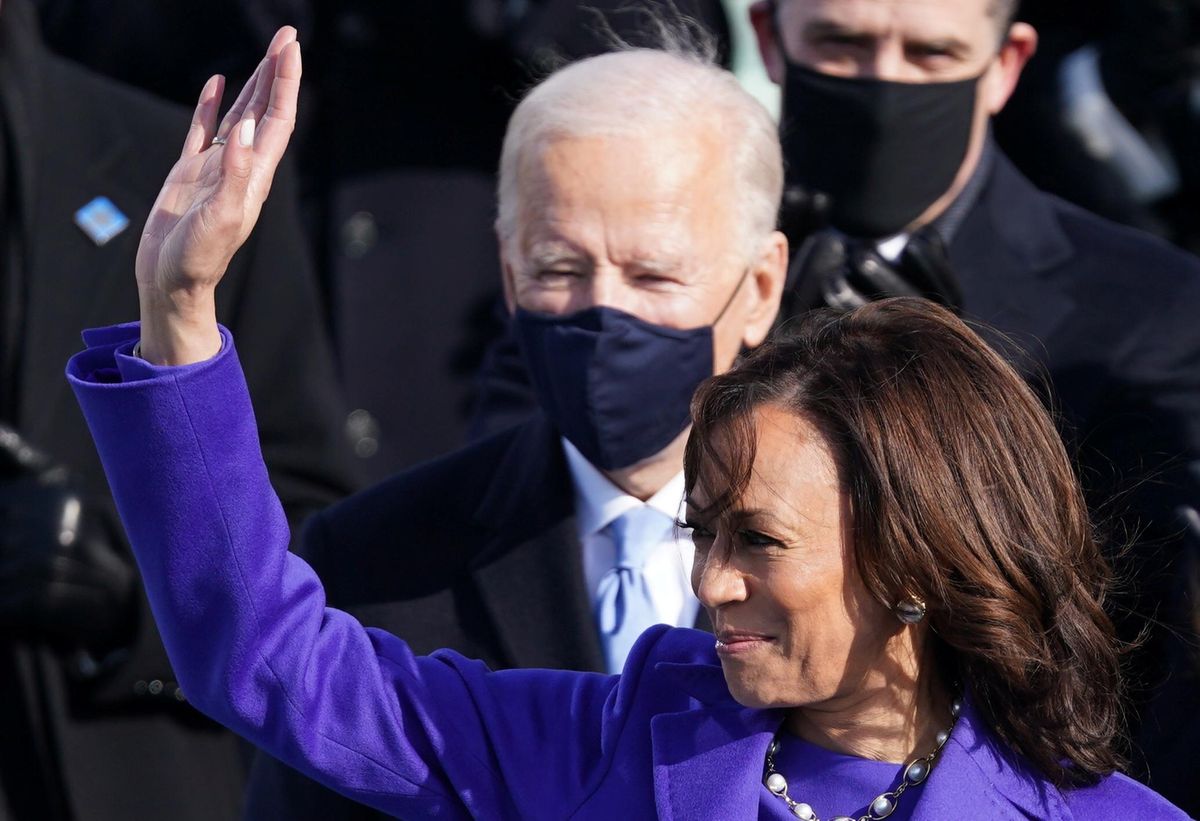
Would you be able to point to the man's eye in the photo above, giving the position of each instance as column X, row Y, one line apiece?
column 653, row 280
column 842, row 41
column 927, row 53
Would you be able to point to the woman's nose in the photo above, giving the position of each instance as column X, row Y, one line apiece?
column 717, row 579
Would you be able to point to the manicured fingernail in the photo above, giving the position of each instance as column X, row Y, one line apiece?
column 246, row 132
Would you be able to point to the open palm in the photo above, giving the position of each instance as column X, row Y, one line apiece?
column 212, row 197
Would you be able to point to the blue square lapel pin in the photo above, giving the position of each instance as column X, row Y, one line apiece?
column 101, row 220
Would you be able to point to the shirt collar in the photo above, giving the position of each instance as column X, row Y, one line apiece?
column 891, row 249
column 598, row 501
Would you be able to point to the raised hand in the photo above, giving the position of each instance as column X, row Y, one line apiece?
column 210, row 203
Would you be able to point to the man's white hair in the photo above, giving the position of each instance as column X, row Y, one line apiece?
column 641, row 92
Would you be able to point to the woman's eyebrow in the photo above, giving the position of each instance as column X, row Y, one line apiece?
column 759, row 517
column 740, row 515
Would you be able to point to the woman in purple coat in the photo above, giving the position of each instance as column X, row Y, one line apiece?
column 890, row 541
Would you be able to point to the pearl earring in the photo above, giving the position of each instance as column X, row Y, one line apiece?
column 910, row 610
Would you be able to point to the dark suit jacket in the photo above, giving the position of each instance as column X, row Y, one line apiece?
column 491, row 567
column 112, row 746
column 1108, row 314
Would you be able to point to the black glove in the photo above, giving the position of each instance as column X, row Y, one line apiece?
column 802, row 213
column 832, row 270
column 61, row 578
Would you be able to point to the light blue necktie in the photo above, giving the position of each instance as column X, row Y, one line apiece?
column 623, row 607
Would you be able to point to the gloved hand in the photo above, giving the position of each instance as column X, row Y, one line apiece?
column 61, row 579
column 802, row 213
column 832, row 270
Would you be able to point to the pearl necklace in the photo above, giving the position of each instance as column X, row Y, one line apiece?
column 884, row 804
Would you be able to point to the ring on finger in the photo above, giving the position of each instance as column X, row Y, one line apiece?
column 219, row 140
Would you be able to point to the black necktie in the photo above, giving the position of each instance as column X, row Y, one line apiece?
column 833, row 270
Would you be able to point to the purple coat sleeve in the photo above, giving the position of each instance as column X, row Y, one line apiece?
column 247, row 630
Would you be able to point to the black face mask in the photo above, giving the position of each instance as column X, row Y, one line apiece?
column 882, row 151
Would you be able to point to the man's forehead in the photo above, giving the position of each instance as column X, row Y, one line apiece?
column 661, row 161
column 624, row 199
column 914, row 19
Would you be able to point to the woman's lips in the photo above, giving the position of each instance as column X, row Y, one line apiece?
column 736, row 644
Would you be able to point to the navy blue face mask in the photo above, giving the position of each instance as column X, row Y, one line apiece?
column 617, row 387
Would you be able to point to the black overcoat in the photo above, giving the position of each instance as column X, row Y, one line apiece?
column 112, row 746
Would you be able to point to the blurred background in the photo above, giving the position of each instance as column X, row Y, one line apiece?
column 403, row 111
column 405, row 105
column 388, row 207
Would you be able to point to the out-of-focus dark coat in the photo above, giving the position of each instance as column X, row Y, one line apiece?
column 123, row 744
column 402, row 112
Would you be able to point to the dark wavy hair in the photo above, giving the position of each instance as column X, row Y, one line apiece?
column 960, row 492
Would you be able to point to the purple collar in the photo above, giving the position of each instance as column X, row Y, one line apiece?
column 708, row 761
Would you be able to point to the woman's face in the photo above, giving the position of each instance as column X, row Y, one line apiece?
column 795, row 625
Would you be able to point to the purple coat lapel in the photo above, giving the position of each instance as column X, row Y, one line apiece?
column 978, row 778
column 708, row 760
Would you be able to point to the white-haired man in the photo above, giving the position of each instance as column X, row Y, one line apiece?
column 637, row 208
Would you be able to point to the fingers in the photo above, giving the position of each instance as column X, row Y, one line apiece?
column 262, row 90
column 285, row 35
column 260, row 79
column 204, row 118
column 229, row 204
column 278, row 119
column 239, row 153
column 235, row 112
column 255, row 142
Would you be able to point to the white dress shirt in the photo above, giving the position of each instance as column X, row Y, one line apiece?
column 891, row 249
column 668, row 569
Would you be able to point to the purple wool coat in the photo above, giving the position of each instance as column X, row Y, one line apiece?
column 255, row 647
